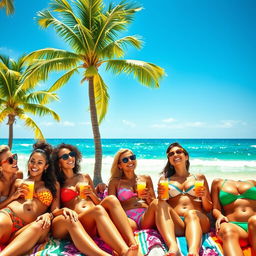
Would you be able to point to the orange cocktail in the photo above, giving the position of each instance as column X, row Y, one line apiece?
column 141, row 185
column 30, row 186
column 165, row 185
column 82, row 187
column 199, row 184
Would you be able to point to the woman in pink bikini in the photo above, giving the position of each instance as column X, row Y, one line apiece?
column 23, row 222
column 144, row 211
column 8, row 174
column 90, row 216
column 185, row 211
column 234, row 207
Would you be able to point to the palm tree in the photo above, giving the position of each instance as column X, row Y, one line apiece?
column 16, row 101
column 92, row 31
column 8, row 5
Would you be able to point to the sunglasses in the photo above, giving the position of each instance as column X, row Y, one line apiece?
column 10, row 159
column 66, row 156
column 178, row 152
column 126, row 159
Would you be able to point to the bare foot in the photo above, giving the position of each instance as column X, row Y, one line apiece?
column 133, row 250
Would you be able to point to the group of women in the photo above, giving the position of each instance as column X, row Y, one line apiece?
column 57, row 204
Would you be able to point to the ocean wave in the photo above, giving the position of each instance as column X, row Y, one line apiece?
column 253, row 146
column 26, row 145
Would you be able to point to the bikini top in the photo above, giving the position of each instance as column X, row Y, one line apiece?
column 228, row 198
column 175, row 191
column 67, row 194
column 44, row 196
column 125, row 194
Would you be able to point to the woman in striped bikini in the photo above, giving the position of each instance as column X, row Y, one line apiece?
column 234, row 207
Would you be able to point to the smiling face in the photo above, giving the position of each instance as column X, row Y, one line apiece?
column 37, row 164
column 130, row 165
column 177, row 157
column 6, row 165
column 68, row 163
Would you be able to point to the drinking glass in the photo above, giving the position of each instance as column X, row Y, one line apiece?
column 198, row 186
column 141, row 185
column 82, row 187
column 165, row 184
column 30, row 186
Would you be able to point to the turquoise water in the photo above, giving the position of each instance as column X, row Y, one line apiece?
column 205, row 149
column 231, row 158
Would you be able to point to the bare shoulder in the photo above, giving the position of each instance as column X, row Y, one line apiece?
column 216, row 182
column 87, row 176
column 113, row 182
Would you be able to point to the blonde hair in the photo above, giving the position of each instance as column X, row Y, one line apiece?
column 116, row 172
column 3, row 149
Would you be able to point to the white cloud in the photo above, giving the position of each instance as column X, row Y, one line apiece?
column 67, row 123
column 169, row 120
column 47, row 124
column 230, row 123
column 84, row 123
column 129, row 123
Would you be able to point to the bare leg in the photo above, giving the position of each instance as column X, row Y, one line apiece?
column 30, row 235
column 5, row 227
column 252, row 233
column 97, row 216
column 166, row 221
column 196, row 224
column 119, row 218
column 230, row 235
column 61, row 227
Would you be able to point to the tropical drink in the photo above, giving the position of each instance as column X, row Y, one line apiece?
column 165, row 185
column 199, row 184
column 30, row 186
column 82, row 187
column 141, row 185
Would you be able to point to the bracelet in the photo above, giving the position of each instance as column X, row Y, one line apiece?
column 51, row 215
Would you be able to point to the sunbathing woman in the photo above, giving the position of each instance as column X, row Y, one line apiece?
column 184, row 215
column 105, row 218
column 8, row 174
column 23, row 223
column 234, row 207
column 142, row 214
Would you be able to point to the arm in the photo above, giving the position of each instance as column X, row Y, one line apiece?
column 112, row 187
column 206, row 197
column 91, row 192
column 217, row 213
column 14, row 194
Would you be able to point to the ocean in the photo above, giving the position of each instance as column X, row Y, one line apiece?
column 231, row 158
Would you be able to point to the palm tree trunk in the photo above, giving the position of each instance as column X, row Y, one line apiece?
column 11, row 119
column 96, row 134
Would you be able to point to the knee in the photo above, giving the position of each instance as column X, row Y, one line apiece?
column 99, row 211
column 37, row 227
column 228, row 232
column 155, row 203
column 110, row 201
column 191, row 215
column 252, row 222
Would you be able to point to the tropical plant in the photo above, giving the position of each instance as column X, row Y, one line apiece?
column 16, row 100
column 93, row 33
column 8, row 5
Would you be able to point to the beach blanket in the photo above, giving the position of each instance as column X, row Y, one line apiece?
column 149, row 240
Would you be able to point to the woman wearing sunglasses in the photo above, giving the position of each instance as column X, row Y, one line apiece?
column 142, row 209
column 185, row 211
column 89, row 215
column 234, row 207
column 24, row 222
column 8, row 174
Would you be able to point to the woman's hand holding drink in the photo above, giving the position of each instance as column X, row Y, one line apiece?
column 29, row 186
column 141, row 185
column 163, row 189
column 199, row 188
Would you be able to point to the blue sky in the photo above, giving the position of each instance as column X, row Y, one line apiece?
column 207, row 49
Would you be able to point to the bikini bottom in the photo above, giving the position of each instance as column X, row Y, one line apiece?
column 18, row 223
column 136, row 214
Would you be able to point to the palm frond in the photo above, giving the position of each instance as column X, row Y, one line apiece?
column 147, row 73
column 117, row 48
column 45, row 19
column 101, row 97
column 8, row 5
column 29, row 122
column 4, row 113
column 40, row 110
column 40, row 70
column 41, row 97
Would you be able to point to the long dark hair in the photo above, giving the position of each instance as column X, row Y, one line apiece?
column 55, row 157
column 48, row 176
column 169, row 169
